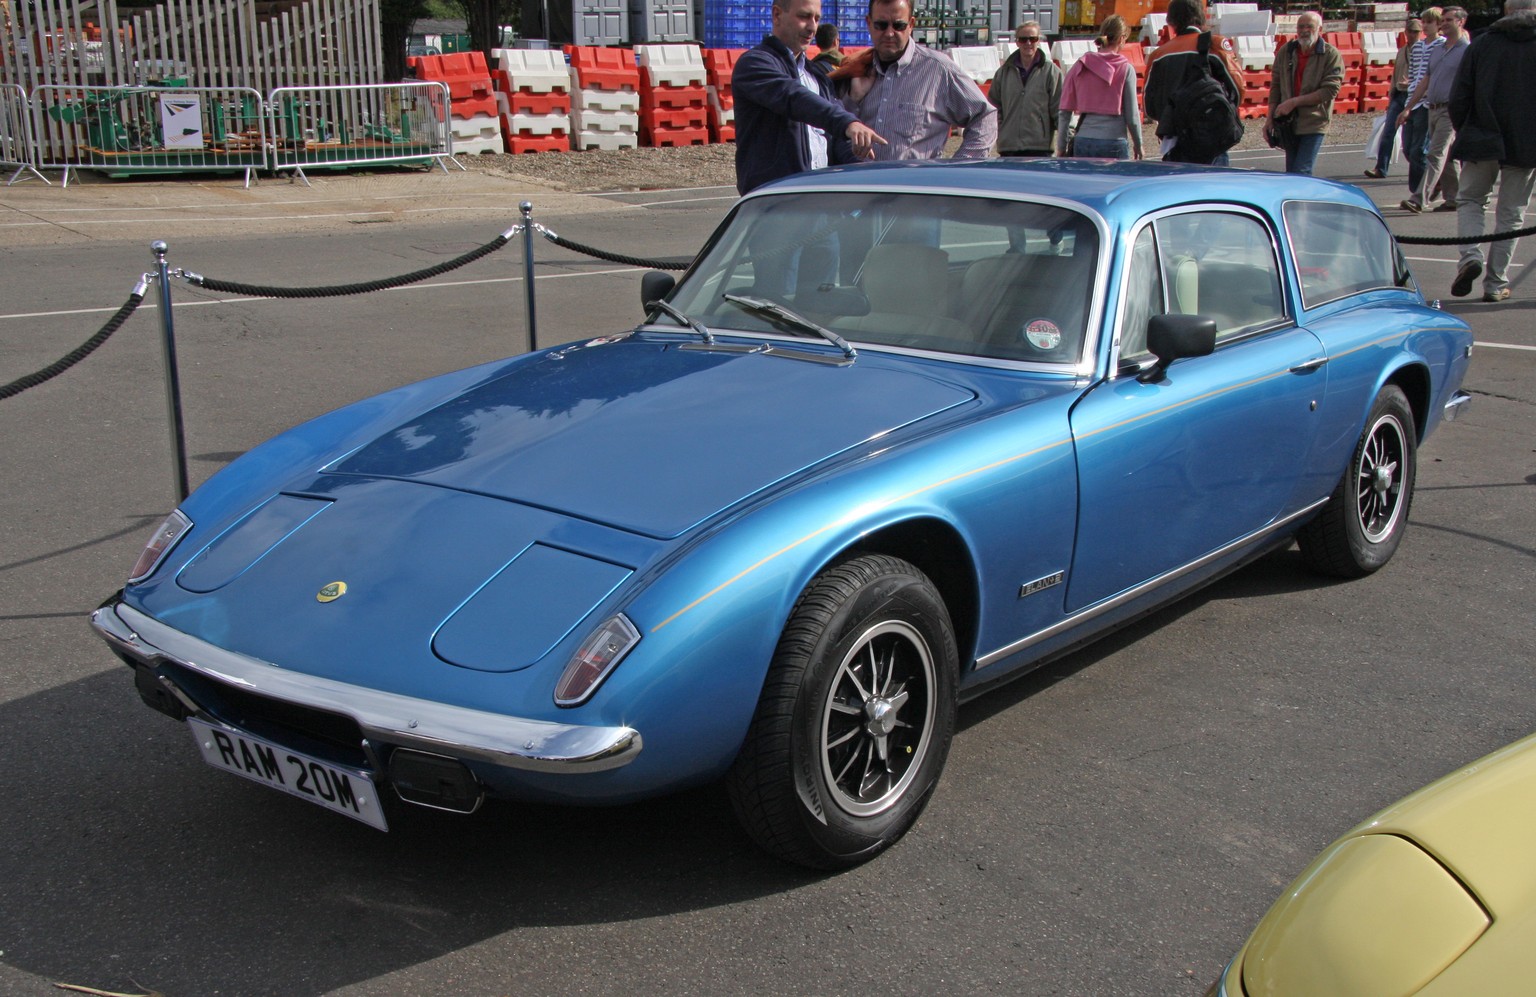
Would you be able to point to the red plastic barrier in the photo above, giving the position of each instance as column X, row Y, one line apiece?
column 537, row 143
column 604, row 68
column 660, row 137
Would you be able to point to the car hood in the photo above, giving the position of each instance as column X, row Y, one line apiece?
column 648, row 436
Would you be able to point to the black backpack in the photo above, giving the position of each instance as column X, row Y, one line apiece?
column 1200, row 113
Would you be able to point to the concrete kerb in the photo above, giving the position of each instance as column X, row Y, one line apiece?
column 101, row 210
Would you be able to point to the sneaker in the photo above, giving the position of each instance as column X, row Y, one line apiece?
column 1502, row 294
column 1445, row 206
column 1466, row 275
column 1375, row 174
column 1412, row 206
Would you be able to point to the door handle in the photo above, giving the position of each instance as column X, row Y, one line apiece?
column 1309, row 365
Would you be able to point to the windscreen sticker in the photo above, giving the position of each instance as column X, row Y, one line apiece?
column 1042, row 334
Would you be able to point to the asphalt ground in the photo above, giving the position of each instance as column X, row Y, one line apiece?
column 1113, row 824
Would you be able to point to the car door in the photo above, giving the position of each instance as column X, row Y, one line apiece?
column 1206, row 454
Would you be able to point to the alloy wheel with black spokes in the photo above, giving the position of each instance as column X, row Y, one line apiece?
column 854, row 722
column 1360, row 528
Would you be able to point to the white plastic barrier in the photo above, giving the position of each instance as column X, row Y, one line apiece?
column 1240, row 23
column 1255, row 51
column 1069, row 50
column 979, row 62
column 1151, row 26
column 1380, row 47
column 534, row 70
column 671, row 65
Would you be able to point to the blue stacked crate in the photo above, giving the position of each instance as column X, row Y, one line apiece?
column 735, row 23
column 849, row 16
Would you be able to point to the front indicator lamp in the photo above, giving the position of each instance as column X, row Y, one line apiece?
column 160, row 543
column 598, row 655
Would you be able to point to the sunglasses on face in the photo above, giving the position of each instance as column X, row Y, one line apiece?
column 1028, row 39
column 890, row 25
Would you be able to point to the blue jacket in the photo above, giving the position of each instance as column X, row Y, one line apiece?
column 772, row 109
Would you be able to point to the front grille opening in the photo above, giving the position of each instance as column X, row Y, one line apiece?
column 332, row 736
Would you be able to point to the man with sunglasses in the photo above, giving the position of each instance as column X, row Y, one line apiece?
column 1026, row 92
column 913, row 95
column 787, row 120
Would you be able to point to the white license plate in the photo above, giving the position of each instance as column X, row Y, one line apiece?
column 346, row 791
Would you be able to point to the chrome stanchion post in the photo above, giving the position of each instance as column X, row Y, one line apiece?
column 533, row 328
column 172, row 378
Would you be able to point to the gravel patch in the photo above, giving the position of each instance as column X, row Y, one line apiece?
column 597, row 171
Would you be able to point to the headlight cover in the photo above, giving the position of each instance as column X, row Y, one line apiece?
column 1374, row 914
column 174, row 527
column 598, row 655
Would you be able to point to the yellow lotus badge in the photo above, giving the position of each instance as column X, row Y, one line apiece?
column 332, row 592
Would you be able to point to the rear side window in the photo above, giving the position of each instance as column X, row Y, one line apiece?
column 1342, row 249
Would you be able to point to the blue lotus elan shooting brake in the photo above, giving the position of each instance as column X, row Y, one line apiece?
column 901, row 433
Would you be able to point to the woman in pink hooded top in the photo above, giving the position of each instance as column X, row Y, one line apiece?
column 1101, row 88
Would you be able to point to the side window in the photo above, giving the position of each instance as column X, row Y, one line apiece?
column 1221, row 265
column 1341, row 249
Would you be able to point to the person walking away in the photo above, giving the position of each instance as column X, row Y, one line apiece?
column 1026, row 92
column 786, row 118
column 1416, row 125
column 1171, row 61
column 1307, row 75
column 1396, row 102
column 911, row 94
column 830, row 54
column 1435, row 90
column 1493, row 109
column 1100, row 89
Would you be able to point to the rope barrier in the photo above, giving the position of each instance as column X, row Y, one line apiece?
column 665, row 263
column 340, row 290
column 82, row 351
column 1458, row 240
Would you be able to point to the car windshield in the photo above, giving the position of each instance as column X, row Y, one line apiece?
column 978, row 276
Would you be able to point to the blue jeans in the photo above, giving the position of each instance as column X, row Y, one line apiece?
column 1389, row 135
column 1415, row 137
column 1101, row 148
column 1301, row 154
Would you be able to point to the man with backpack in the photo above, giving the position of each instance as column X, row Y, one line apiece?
column 1196, row 121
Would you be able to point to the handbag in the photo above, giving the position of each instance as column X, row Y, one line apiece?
column 1282, row 131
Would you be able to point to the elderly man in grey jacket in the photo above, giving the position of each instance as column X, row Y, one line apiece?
column 1026, row 92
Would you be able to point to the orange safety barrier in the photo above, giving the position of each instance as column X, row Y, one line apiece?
column 672, row 96
column 465, row 73
column 719, row 64
column 537, row 143
column 533, row 102
column 722, row 133
column 662, row 118
column 604, row 68
column 662, row 137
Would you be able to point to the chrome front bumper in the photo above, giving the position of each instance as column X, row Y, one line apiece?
column 1459, row 403
column 385, row 718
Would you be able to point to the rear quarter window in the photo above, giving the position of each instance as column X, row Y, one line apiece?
column 1341, row 249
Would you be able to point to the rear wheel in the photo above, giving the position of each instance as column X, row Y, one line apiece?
column 1359, row 529
column 855, row 719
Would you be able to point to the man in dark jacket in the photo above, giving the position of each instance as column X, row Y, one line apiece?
column 786, row 119
column 1493, row 106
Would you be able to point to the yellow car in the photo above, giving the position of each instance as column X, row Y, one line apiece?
column 1435, row 895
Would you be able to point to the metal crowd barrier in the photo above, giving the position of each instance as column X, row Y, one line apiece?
column 16, row 144
column 129, row 130
column 337, row 126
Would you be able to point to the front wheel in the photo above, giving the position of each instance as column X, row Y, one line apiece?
column 1359, row 529
column 855, row 718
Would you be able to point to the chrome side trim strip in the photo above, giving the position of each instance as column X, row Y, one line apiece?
column 1458, row 405
column 508, row 742
column 1114, row 602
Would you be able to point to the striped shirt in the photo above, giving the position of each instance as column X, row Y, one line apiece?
column 916, row 101
column 1418, row 65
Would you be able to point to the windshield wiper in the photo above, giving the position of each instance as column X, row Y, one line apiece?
column 683, row 317
column 792, row 318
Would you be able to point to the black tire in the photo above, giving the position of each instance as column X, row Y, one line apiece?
column 1359, row 529
column 855, row 718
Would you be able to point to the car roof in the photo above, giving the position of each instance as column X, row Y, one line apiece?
column 1126, row 189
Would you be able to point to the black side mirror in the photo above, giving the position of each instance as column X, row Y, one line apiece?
column 1173, row 337
column 654, row 286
